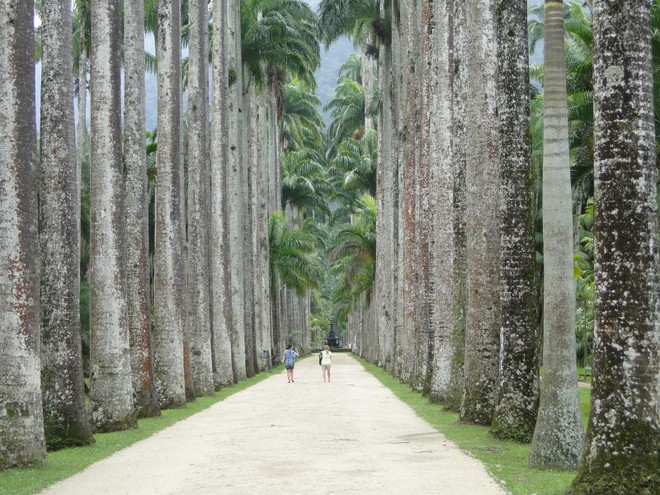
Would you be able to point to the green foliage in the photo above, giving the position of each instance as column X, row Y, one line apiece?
column 293, row 257
column 67, row 462
column 358, row 19
column 355, row 255
column 347, row 110
column 279, row 37
column 304, row 183
column 301, row 125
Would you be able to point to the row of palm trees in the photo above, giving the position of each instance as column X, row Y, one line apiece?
column 180, row 304
column 455, row 309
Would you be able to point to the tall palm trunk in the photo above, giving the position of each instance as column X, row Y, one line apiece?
column 515, row 414
column 459, row 151
column 559, row 432
column 65, row 416
column 623, row 436
column 482, row 331
column 137, row 211
column 111, row 395
column 199, row 298
column 398, row 101
column 250, row 174
column 441, row 189
column 408, row 338
column 267, row 163
column 22, row 440
column 234, row 174
column 220, row 279
column 168, row 260
column 384, row 278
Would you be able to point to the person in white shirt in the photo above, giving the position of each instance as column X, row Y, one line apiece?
column 326, row 359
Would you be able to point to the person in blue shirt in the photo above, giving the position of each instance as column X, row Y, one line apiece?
column 289, row 359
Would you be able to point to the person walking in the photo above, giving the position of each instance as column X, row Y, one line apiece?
column 326, row 359
column 289, row 359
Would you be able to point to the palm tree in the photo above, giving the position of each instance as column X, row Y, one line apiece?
column 367, row 24
column 559, row 432
column 301, row 124
column 279, row 41
column 483, row 321
column 111, row 390
column 347, row 110
column 169, row 269
column 65, row 415
column 220, row 275
column 137, row 212
column 515, row 414
column 441, row 192
column 624, row 427
column 21, row 434
column 236, row 197
column 198, row 297
column 292, row 262
column 356, row 243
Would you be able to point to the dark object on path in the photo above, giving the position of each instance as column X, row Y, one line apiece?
column 333, row 338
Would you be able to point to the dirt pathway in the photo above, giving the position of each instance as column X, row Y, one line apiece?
column 351, row 436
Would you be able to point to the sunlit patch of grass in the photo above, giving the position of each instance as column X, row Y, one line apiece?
column 65, row 463
column 506, row 461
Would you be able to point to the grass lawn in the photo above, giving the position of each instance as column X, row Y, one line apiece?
column 506, row 461
column 67, row 462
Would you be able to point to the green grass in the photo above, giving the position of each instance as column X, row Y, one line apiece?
column 65, row 463
column 506, row 461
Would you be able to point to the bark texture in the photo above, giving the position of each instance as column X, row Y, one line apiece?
column 515, row 414
column 169, row 281
column 66, row 419
column 622, row 452
column 441, row 191
column 235, row 197
column 111, row 390
column 559, row 432
column 459, row 147
column 482, row 330
column 199, row 290
column 22, row 441
column 384, row 278
column 221, row 295
column 137, row 211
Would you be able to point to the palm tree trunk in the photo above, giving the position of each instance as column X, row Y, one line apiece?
column 221, row 296
column 559, row 432
column 515, row 414
column 267, row 163
column 249, row 178
column 398, row 101
column 137, row 210
column 169, row 283
column 409, row 150
column 65, row 415
column 22, row 441
column 459, row 152
column 441, row 189
column 482, row 331
column 234, row 176
column 111, row 389
column 199, row 298
column 384, row 279
column 624, row 427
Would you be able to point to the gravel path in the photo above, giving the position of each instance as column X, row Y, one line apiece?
column 350, row 436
